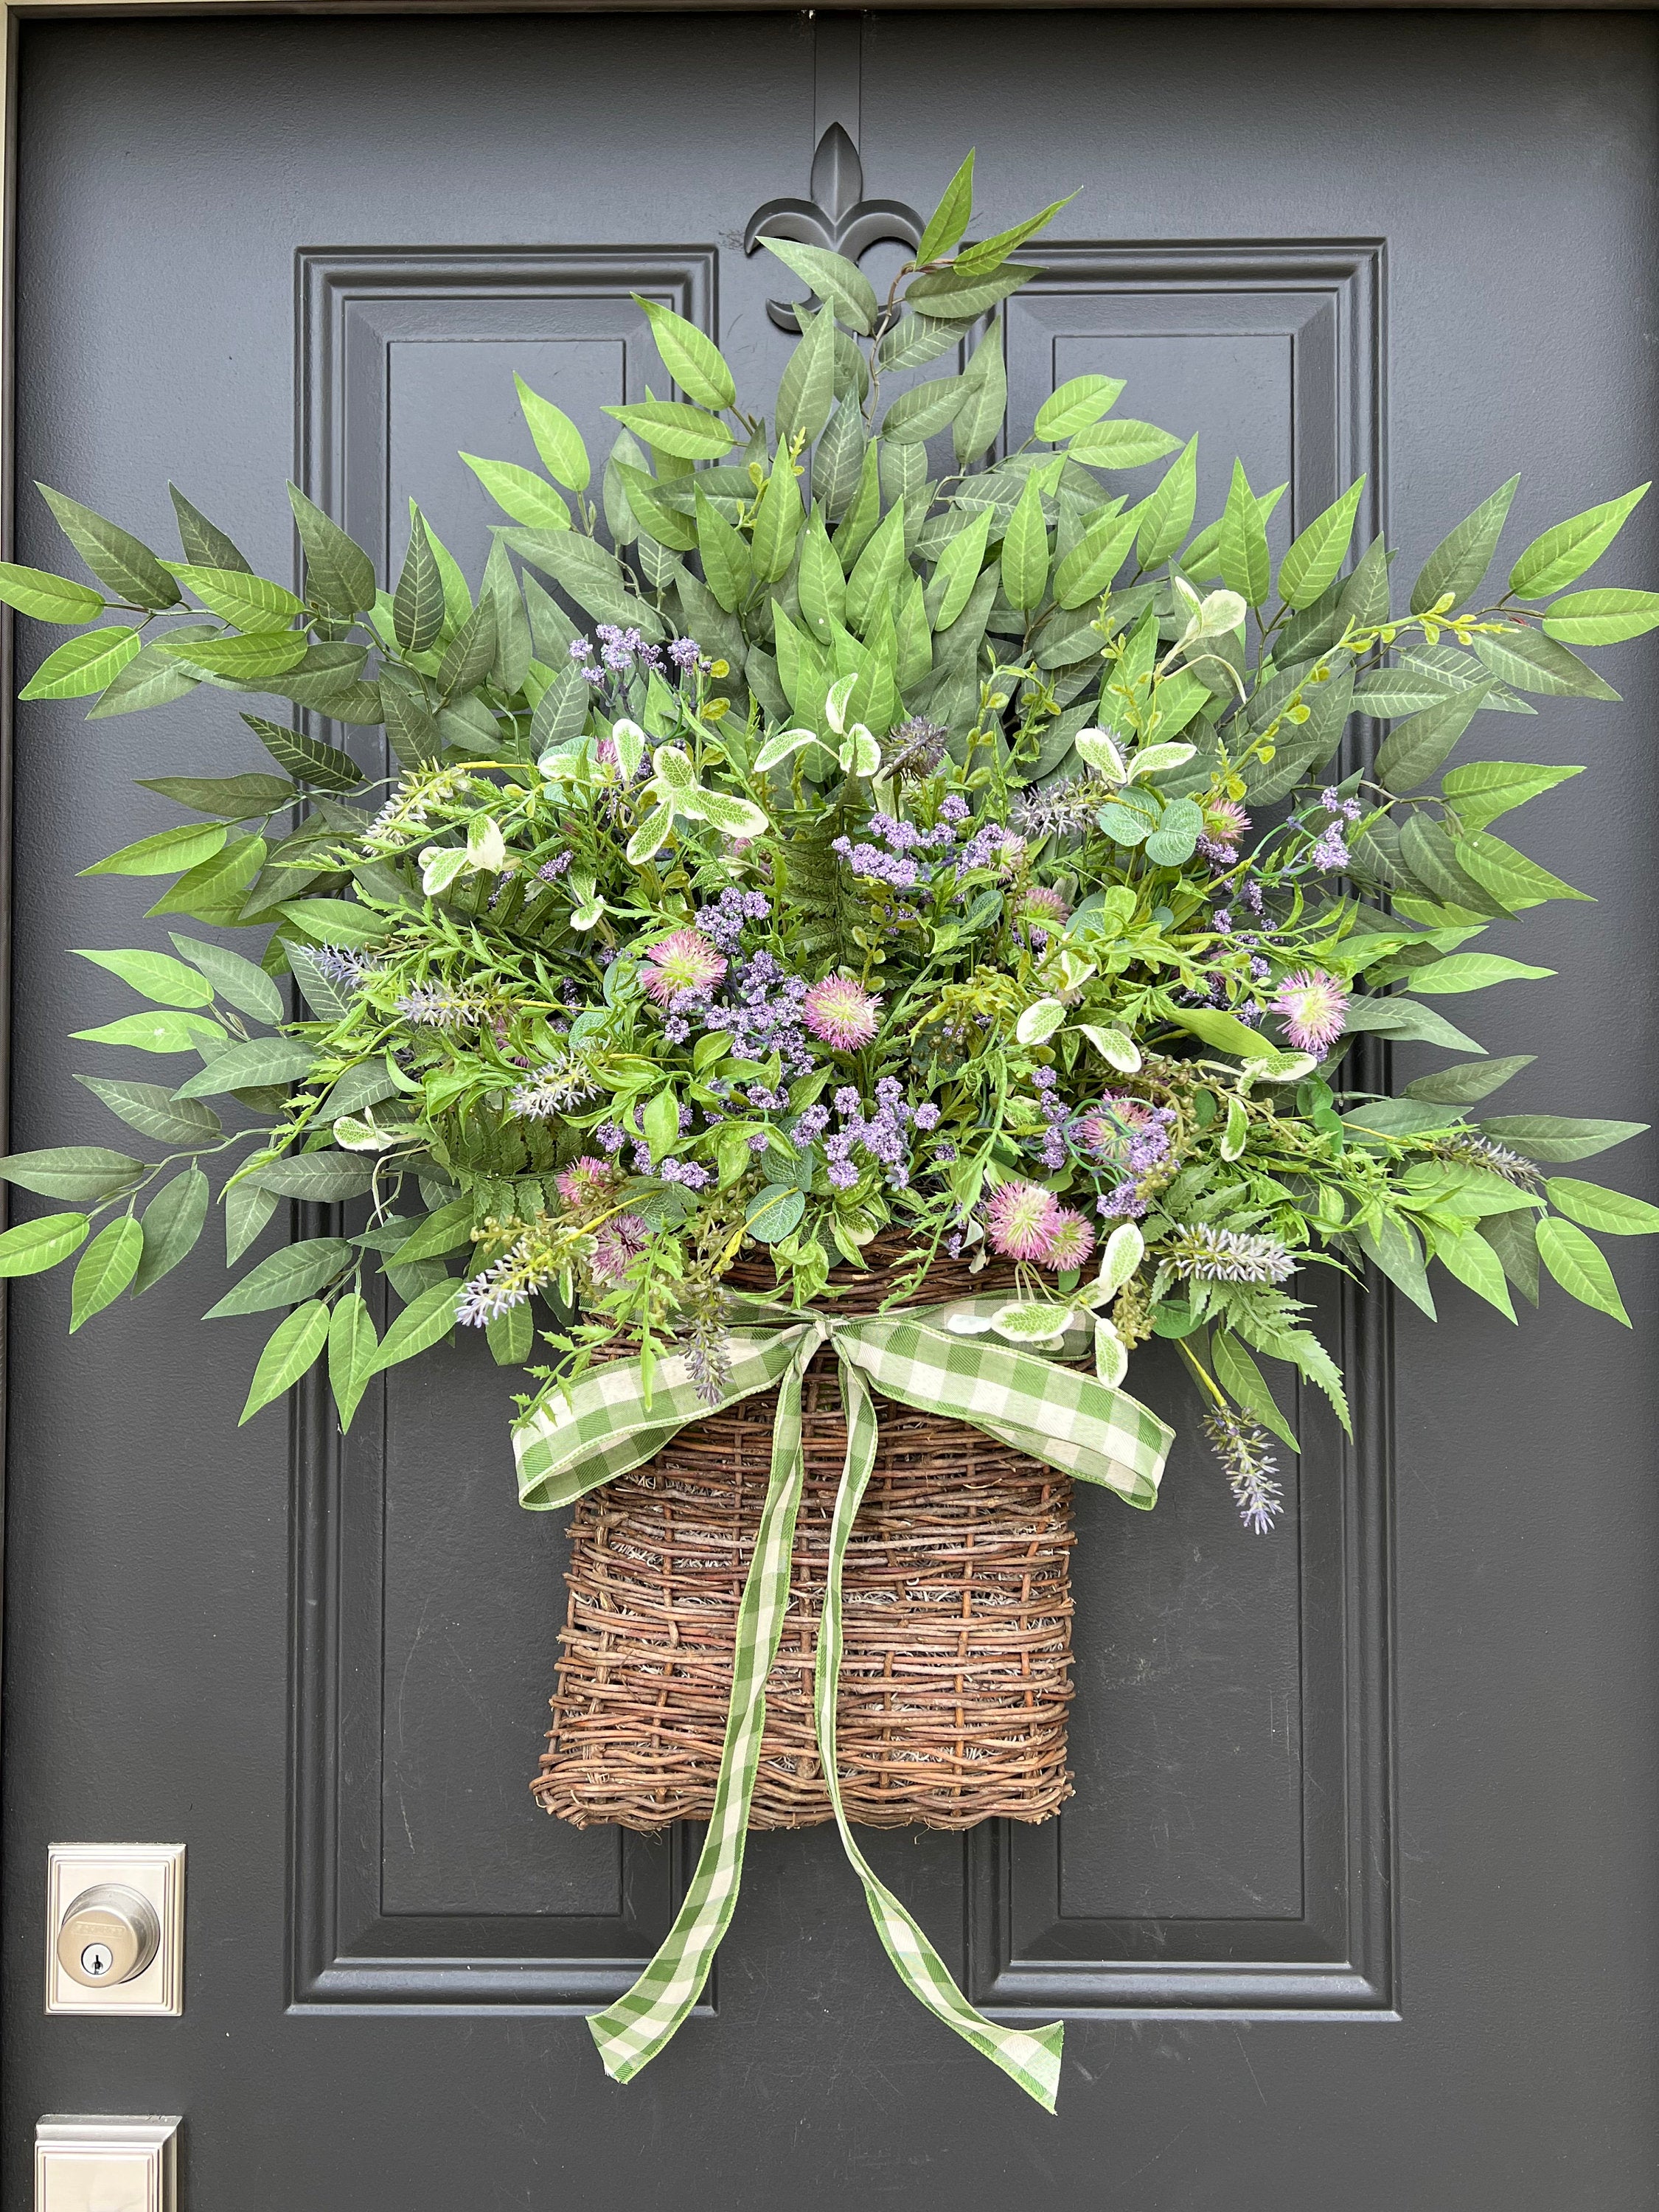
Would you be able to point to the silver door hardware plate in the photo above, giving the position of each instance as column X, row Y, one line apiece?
column 115, row 1927
column 104, row 2164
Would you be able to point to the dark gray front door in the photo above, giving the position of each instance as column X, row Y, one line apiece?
column 1355, row 1902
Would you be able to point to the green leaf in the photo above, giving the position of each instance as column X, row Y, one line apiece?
column 1509, row 876
column 1458, row 563
column 215, row 890
column 1093, row 563
column 1578, row 1266
column 835, row 279
column 1025, row 550
column 512, row 1335
column 1221, row 1032
column 877, row 571
column 957, row 571
column 203, row 541
column 418, row 607
column 164, row 854
column 806, row 391
column 291, row 1352
column 469, row 654
column 660, row 1120
column 689, row 356
column 1073, row 406
column 952, row 298
column 925, row 409
column 777, row 521
column 447, row 1229
column 296, row 1272
column 152, row 677
column 726, row 565
column 671, row 427
column 339, row 575
column 246, row 659
column 821, row 583
column 231, row 797
column 1310, row 566
column 1611, row 1212
column 1167, row 514
column 119, row 560
column 155, row 1113
column 167, row 1032
column 104, row 1269
column 325, row 1178
column 558, row 439
column 1486, row 789
column 1242, row 548
column 82, row 1172
column 1438, row 862
column 990, row 253
column 1123, row 443
column 246, row 601
column 1514, row 1237
column 1532, row 663
column 914, row 341
column 251, row 1065
column 248, row 988
column 82, row 665
column 353, row 1352
column 1562, row 554
column 948, row 223
column 1471, row 1080
column 34, row 1246
column 774, row 1213
column 520, row 493
column 985, row 401
column 48, row 597
column 1410, row 753
column 1471, row 1258
column 306, row 757
column 168, row 983
column 1243, row 1381
column 1396, row 1252
column 1411, row 1023
column 1472, row 971
column 332, row 921
column 1553, row 1137
column 1602, row 618
column 247, row 1213
column 172, row 1223
column 668, row 527
column 426, row 1320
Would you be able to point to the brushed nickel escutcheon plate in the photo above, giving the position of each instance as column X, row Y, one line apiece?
column 125, row 1953
column 105, row 2163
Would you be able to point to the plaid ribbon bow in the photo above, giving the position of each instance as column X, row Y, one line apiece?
column 604, row 1425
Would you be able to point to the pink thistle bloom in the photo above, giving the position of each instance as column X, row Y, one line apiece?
column 1224, row 823
column 1022, row 1219
column 1315, row 1007
column 587, row 1183
column 840, row 1013
column 1072, row 1243
column 1043, row 909
column 687, row 961
column 617, row 1245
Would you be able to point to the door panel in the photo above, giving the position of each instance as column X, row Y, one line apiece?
column 1365, row 1810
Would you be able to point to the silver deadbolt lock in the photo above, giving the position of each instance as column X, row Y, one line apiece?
column 109, row 1934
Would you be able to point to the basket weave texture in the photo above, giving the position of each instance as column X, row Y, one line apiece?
column 956, row 1602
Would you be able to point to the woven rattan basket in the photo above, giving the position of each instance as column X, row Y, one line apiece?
column 957, row 1607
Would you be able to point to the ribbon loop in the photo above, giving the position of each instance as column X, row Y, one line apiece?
column 610, row 1422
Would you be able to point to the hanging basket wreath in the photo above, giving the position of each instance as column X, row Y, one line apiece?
column 880, row 931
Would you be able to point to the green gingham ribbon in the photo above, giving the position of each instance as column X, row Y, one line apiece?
column 602, row 1426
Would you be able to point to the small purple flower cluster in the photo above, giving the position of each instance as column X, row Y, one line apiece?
column 346, row 969
column 885, row 1135
column 1330, row 850
column 693, row 1176
column 1130, row 1139
column 731, row 914
column 550, row 871
column 1051, row 1146
column 762, row 1013
column 623, row 651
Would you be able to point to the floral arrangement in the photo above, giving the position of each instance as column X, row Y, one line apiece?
column 884, row 840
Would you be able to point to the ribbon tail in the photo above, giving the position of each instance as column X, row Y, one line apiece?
column 1031, row 2057
column 631, row 2031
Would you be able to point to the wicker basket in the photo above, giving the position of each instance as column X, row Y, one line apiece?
column 957, row 1607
